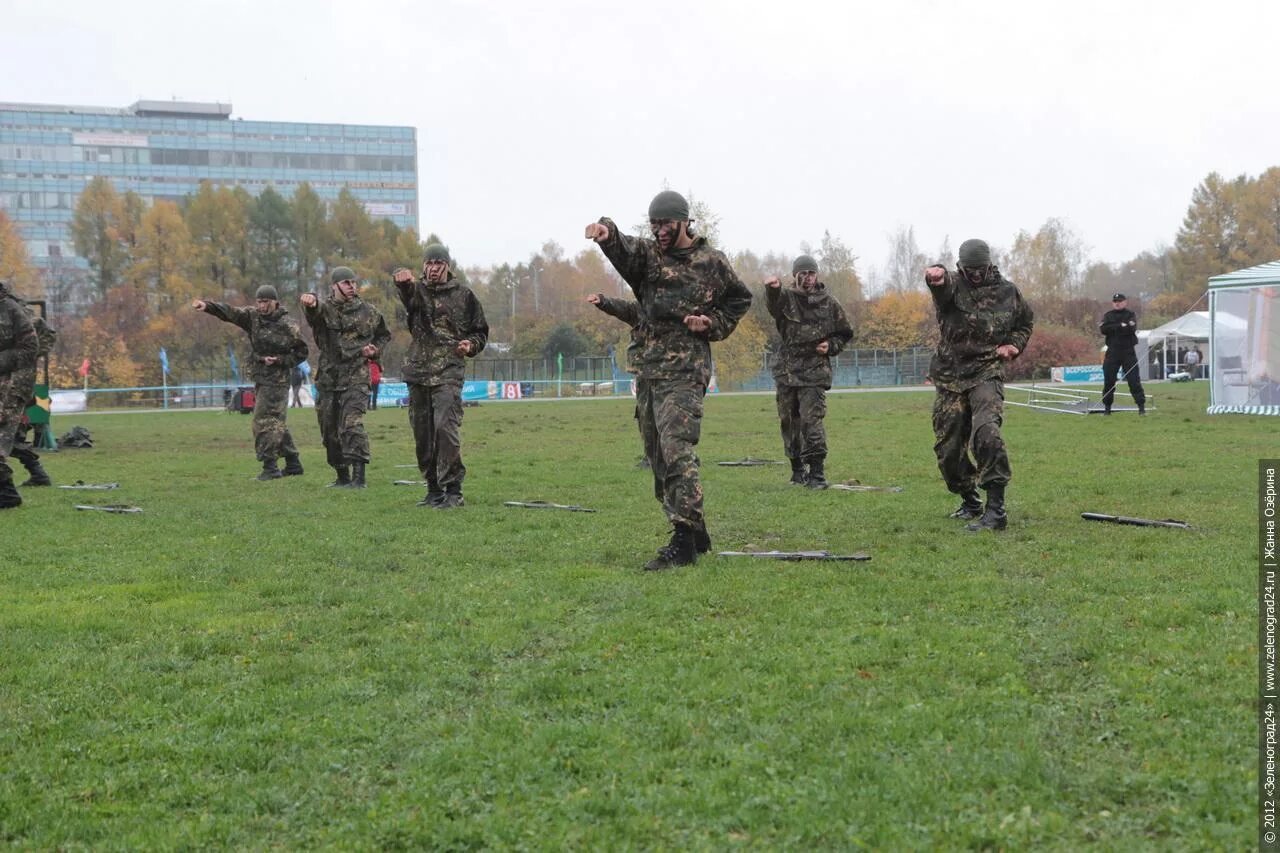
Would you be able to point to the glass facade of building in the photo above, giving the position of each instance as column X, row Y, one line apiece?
column 163, row 150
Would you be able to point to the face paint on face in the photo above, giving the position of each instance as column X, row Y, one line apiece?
column 808, row 280
column 343, row 291
column 975, row 275
column 436, row 271
column 665, row 232
column 265, row 306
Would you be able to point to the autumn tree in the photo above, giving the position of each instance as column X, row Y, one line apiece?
column 270, row 238
column 350, row 235
column 15, row 265
column 740, row 356
column 163, row 256
column 897, row 320
column 906, row 263
column 97, row 228
column 217, row 222
column 307, row 231
column 1209, row 242
column 1049, row 263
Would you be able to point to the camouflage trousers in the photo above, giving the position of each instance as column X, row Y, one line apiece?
column 670, row 416
column 435, row 413
column 341, row 417
column 965, row 421
column 271, row 438
column 801, row 409
column 15, row 391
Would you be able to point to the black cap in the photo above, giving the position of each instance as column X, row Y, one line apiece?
column 1117, row 297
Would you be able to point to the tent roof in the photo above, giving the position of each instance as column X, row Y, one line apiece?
column 1263, row 274
column 1193, row 325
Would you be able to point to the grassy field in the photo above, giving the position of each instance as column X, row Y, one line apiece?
column 282, row 665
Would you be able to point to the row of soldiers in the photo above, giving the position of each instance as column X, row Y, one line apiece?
column 687, row 296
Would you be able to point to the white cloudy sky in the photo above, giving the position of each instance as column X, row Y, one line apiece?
column 788, row 118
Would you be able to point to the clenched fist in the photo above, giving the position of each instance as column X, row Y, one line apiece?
column 935, row 275
column 403, row 276
column 308, row 299
column 598, row 232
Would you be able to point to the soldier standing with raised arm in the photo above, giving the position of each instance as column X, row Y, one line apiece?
column 348, row 332
column 984, row 322
column 813, row 328
column 448, row 327
column 689, row 295
column 278, row 348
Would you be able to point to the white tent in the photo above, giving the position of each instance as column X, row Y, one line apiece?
column 1175, row 337
column 1244, row 341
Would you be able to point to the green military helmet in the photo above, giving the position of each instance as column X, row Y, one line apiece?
column 804, row 263
column 975, row 254
column 668, row 204
column 342, row 274
column 437, row 252
column 267, row 292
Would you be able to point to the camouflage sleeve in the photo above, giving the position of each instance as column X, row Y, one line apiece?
column 381, row 334
column 224, row 312
column 773, row 299
column 629, row 255
column 730, row 306
column 477, row 326
column 298, row 350
column 26, row 344
column 626, row 310
column 408, row 293
column 1023, row 322
column 841, row 333
column 315, row 317
column 943, row 294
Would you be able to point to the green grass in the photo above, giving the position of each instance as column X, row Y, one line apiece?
column 283, row 665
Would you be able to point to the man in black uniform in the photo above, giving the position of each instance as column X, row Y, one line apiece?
column 1120, row 327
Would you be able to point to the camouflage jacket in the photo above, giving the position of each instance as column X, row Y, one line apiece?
column 18, row 347
column 974, row 319
column 1120, row 336
column 273, row 334
column 805, row 320
column 628, row 311
column 342, row 330
column 440, row 317
column 669, row 287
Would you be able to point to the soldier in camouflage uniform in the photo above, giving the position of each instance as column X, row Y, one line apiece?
column 984, row 322
column 278, row 348
column 813, row 327
column 689, row 295
column 18, row 347
column 348, row 332
column 448, row 326
column 23, row 449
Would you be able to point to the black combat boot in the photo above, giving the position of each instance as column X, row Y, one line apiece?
column 971, row 506
column 39, row 476
column 292, row 466
column 798, row 475
column 434, row 495
column 701, row 538
column 994, row 518
column 817, row 478
column 680, row 551
column 9, row 497
column 357, row 476
column 452, row 498
column 344, row 478
column 269, row 470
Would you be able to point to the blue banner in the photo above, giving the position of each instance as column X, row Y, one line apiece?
column 1080, row 373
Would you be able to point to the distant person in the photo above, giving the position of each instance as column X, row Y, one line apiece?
column 278, row 348
column 1120, row 328
column 628, row 311
column 447, row 325
column 18, row 347
column 296, row 377
column 813, row 327
column 689, row 296
column 984, row 322
column 375, row 379
column 348, row 332
column 1193, row 359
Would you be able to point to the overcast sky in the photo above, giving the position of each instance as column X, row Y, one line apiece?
column 787, row 118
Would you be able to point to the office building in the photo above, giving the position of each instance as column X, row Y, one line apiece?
column 164, row 149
